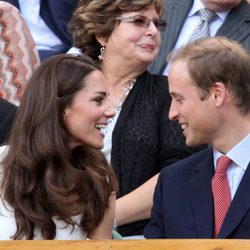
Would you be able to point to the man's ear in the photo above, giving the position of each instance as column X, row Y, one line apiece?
column 218, row 92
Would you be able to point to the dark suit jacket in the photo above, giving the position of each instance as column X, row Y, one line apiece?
column 7, row 114
column 183, row 202
column 56, row 14
column 236, row 27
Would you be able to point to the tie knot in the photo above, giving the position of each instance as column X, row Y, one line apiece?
column 206, row 15
column 222, row 164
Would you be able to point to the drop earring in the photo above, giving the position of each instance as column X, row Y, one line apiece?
column 102, row 51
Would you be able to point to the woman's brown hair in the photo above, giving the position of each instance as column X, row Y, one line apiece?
column 42, row 177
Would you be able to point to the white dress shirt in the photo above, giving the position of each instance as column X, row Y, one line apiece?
column 43, row 36
column 240, row 156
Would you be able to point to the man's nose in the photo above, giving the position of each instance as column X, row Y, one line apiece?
column 173, row 112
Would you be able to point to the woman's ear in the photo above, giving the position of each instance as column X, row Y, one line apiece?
column 102, row 40
column 66, row 112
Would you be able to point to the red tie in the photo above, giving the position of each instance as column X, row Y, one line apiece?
column 221, row 192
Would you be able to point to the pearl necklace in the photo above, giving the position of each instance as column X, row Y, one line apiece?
column 122, row 98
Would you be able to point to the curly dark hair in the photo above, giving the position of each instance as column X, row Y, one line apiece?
column 97, row 17
column 42, row 177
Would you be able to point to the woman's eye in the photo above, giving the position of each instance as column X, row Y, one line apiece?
column 140, row 21
column 99, row 100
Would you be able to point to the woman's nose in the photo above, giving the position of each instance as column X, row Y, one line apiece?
column 109, row 112
column 152, row 29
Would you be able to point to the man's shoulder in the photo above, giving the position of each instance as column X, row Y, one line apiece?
column 240, row 13
column 189, row 163
column 244, row 8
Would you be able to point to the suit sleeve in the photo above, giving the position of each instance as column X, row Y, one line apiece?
column 156, row 228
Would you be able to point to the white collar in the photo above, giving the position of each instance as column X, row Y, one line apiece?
column 198, row 4
column 239, row 154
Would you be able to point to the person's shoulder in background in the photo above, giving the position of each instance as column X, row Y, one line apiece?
column 7, row 115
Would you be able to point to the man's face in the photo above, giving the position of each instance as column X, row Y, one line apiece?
column 198, row 118
column 221, row 5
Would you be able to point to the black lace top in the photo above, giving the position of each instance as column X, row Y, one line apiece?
column 144, row 139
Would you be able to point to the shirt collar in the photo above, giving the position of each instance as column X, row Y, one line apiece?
column 198, row 4
column 239, row 154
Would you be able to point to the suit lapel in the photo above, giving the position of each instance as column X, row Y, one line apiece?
column 175, row 15
column 201, row 197
column 239, row 207
column 237, row 23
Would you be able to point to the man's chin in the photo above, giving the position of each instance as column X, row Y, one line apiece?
column 190, row 142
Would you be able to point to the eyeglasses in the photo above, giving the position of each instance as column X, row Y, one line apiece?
column 144, row 22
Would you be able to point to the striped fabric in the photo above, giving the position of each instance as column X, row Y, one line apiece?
column 18, row 54
column 202, row 30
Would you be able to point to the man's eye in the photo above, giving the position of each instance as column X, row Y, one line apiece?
column 179, row 100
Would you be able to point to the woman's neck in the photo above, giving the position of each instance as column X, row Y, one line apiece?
column 120, row 74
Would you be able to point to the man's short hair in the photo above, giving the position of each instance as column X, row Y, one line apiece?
column 218, row 59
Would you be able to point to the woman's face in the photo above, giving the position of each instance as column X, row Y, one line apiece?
column 130, row 44
column 88, row 113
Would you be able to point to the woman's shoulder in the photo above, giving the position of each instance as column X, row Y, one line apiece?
column 152, row 81
column 156, row 86
column 3, row 151
column 7, row 221
column 153, row 77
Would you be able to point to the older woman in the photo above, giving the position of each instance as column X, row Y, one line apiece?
column 124, row 37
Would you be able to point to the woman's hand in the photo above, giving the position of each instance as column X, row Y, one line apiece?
column 104, row 230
